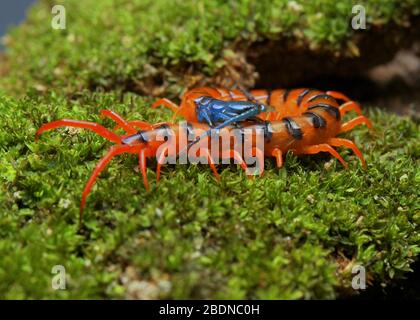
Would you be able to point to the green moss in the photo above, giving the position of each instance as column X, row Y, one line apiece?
column 130, row 44
column 293, row 233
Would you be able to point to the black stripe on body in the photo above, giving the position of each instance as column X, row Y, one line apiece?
column 285, row 95
column 293, row 128
column 162, row 130
column 302, row 95
column 143, row 136
column 268, row 100
column 190, row 131
column 317, row 120
column 268, row 130
column 330, row 109
column 320, row 96
column 139, row 136
column 265, row 126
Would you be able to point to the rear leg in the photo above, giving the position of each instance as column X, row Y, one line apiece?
column 324, row 148
column 114, row 150
column 339, row 142
column 95, row 127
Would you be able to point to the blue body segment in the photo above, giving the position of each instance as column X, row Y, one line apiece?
column 223, row 113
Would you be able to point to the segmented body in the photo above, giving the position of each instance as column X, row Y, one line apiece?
column 309, row 130
column 304, row 111
column 286, row 102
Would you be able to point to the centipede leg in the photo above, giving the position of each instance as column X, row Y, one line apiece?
column 350, row 106
column 338, row 95
column 324, row 148
column 142, row 167
column 114, row 150
column 260, row 158
column 279, row 157
column 340, row 142
column 166, row 103
column 96, row 127
column 140, row 124
column 121, row 122
column 233, row 154
column 205, row 152
column 160, row 160
column 354, row 122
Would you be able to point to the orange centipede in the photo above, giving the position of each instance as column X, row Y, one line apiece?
column 304, row 111
column 304, row 121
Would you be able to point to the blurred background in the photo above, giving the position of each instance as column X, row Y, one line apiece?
column 394, row 85
column 11, row 13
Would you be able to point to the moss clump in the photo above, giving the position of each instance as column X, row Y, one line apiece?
column 294, row 233
column 150, row 46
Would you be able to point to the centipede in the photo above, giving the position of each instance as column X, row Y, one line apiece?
column 302, row 121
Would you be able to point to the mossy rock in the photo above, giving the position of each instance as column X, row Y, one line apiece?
column 296, row 232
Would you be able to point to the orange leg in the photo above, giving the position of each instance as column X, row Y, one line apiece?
column 260, row 158
column 339, row 142
column 122, row 123
column 350, row 106
column 354, row 122
column 324, row 148
column 279, row 157
column 205, row 152
column 166, row 103
column 136, row 124
column 96, row 127
column 233, row 154
column 143, row 154
column 338, row 95
column 160, row 162
column 115, row 150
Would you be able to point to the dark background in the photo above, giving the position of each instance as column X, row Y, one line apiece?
column 11, row 13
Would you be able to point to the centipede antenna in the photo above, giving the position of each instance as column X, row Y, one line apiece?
column 247, row 94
